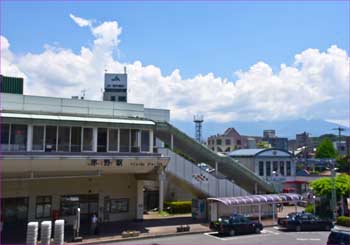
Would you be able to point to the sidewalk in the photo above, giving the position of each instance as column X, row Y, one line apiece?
column 151, row 226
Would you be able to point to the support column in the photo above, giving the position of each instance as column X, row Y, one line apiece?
column 161, row 189
column 256, row 188
column 172, row 142
column 94, row 139
column 273, row 214
column 30, row 138
column 151, row 141
column 216, row 167
column 213, row 211
column 259, row 213
column 139, row 200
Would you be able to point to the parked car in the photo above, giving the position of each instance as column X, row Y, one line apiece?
column 236, row 224
column 339, row 237
column 304, row 221
column 205, row 167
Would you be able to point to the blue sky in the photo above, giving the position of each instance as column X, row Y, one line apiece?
column 229, row 61
column 196, row 37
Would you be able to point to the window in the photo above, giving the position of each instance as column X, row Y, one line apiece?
column 87, row 139
column 43, row 207
column 261, row 168
column 5, row 137
column 275, row 166
column 135, row 140
column 238, row 142
column 122, row 98
column 113, row 139
column 228, row 142
column 124, row 140
column 76, row 139
column 38, row 138
column 282, row 168
column 88, row 204
column 119, row 205
column 112, row 98
column 101, row 140
column 51, row 138
column 63, row 138
column 145, row 136
column 289, row 168
column 18, row 141
column 268, row 168
column 218, row 141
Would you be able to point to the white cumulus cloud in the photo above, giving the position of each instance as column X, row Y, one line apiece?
column 315, row 85
column 80, row 21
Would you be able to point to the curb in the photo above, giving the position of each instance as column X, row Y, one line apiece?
column 140, row 237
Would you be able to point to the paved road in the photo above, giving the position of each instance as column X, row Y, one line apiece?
column 271, row 235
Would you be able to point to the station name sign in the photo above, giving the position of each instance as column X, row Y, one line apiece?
column 120, row 163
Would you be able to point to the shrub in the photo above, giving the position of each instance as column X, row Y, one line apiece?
column 343, row 220
column 179, row 207
column 309, row 208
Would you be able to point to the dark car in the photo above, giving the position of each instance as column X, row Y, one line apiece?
column 305, row 221
column 339, row 237
column 237, row 224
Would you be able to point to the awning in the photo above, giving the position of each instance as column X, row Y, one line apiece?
column 76, row 118
column 257, row 199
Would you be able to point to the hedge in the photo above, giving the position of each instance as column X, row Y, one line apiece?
column 343, row 220
column 179, row 207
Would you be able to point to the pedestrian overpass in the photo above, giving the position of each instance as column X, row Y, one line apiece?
column 234, row 171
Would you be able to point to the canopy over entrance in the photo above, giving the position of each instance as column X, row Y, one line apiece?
column 257, row 199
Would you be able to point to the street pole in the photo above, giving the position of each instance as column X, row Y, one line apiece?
column 314, row 199
column 334, row 198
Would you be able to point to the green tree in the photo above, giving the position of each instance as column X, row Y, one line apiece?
column 323, row 186
column 263, row 145
column 326, row 149
column 343, row 164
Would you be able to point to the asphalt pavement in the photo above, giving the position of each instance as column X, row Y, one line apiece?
column 271, row 235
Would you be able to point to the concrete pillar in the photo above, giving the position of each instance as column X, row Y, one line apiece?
column 151, row 141
column 273, row 214
column 139, row 140
column 259, row 213
column 256, row 188
column 172, row 142
column 161, row 189
column 30, row 137
column 94, row 139
column 213, row 211
column 285, row 168
column 31, row 207
column 216, row 167
column 264, row 166
column 139, row 200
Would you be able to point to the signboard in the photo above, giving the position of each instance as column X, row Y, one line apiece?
column 116, row 81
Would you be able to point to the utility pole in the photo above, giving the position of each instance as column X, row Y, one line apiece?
column 339, row 129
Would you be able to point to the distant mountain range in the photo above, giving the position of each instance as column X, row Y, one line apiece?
column 286, row 128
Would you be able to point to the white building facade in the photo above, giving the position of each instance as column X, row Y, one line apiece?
column 60, row 154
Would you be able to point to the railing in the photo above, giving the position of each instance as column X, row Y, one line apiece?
column 205, row 182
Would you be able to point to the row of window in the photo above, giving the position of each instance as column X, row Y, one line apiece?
column 280, row 168
column 88, row 204
column 74, row 139
column 219, row 142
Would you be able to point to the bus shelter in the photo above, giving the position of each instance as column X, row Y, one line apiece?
column 222, row 206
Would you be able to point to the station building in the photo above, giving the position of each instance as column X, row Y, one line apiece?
column 59, row 154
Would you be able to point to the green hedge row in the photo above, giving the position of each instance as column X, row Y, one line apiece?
column 343, row 220
column 179, row 207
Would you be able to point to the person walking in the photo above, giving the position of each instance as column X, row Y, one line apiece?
column 93, row 224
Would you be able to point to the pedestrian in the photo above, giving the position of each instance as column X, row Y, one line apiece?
column 93, row 224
